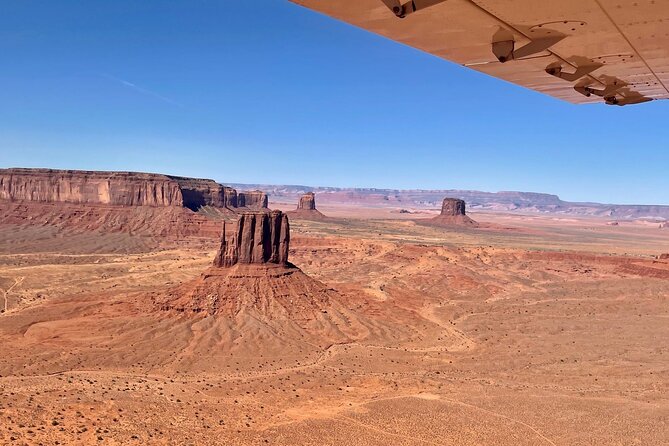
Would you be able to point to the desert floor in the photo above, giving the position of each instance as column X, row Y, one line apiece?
column 533, row 331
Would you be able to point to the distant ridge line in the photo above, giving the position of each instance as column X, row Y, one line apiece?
column 502, row 201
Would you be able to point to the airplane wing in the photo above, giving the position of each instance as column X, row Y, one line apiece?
column 581, row 51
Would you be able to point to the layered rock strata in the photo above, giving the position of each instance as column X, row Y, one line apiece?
column 122, row 189
column 452, row 207
column 260, row 238
column 253, row 199
column 307, row 202
column 113, row 188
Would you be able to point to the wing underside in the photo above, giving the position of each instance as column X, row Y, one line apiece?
column 581, row 51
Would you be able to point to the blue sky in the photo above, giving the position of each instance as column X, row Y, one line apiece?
column 265, row 91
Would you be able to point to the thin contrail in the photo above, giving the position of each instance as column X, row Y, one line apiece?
column 141, row 90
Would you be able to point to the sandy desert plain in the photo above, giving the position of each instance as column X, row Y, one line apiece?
column 537, row 330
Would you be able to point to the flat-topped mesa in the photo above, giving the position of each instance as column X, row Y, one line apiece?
column 68, row 186
column 307, row 202
column 122, row 189
column 112, row 188
column 453, row 213
column 252, row 199
column 452, row 207
column 260, row 238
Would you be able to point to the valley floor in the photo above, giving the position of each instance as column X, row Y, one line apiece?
column 535, row 331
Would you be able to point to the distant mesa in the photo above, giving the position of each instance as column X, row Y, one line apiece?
column 133, row 202
column 612, row 223
column 453, row 213
column 306, row 208
column 110, row 188
column 122, row 189
column 260, row 238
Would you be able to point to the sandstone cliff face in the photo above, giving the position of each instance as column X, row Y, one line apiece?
column 197, row 192
column 122, row 189
column 260, row 238
column 137, row 203
column 452, row 207
column 307, row 202
column 228, row 197
column 254, row 199
column 113, row 188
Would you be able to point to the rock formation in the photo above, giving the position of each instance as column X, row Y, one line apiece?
column 252, row 287
column 198, row 193
column 453, row 214
column 137, row 203
column 112, row 188
column 254, row 199
column 452, row 207
column 306, row 208
column 260, row 238
column 664, row 257
column 307, row 202
column 122, row 189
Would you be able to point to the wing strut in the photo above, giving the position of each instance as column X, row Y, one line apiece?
column 556, row 69
column 504, row 45
column 402, row 9
column 608, row 91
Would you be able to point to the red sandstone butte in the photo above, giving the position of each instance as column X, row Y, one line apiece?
column 260, row 238
column 453, row 213
column 306, row 208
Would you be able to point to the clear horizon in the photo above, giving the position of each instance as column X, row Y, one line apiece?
column 276, row 94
